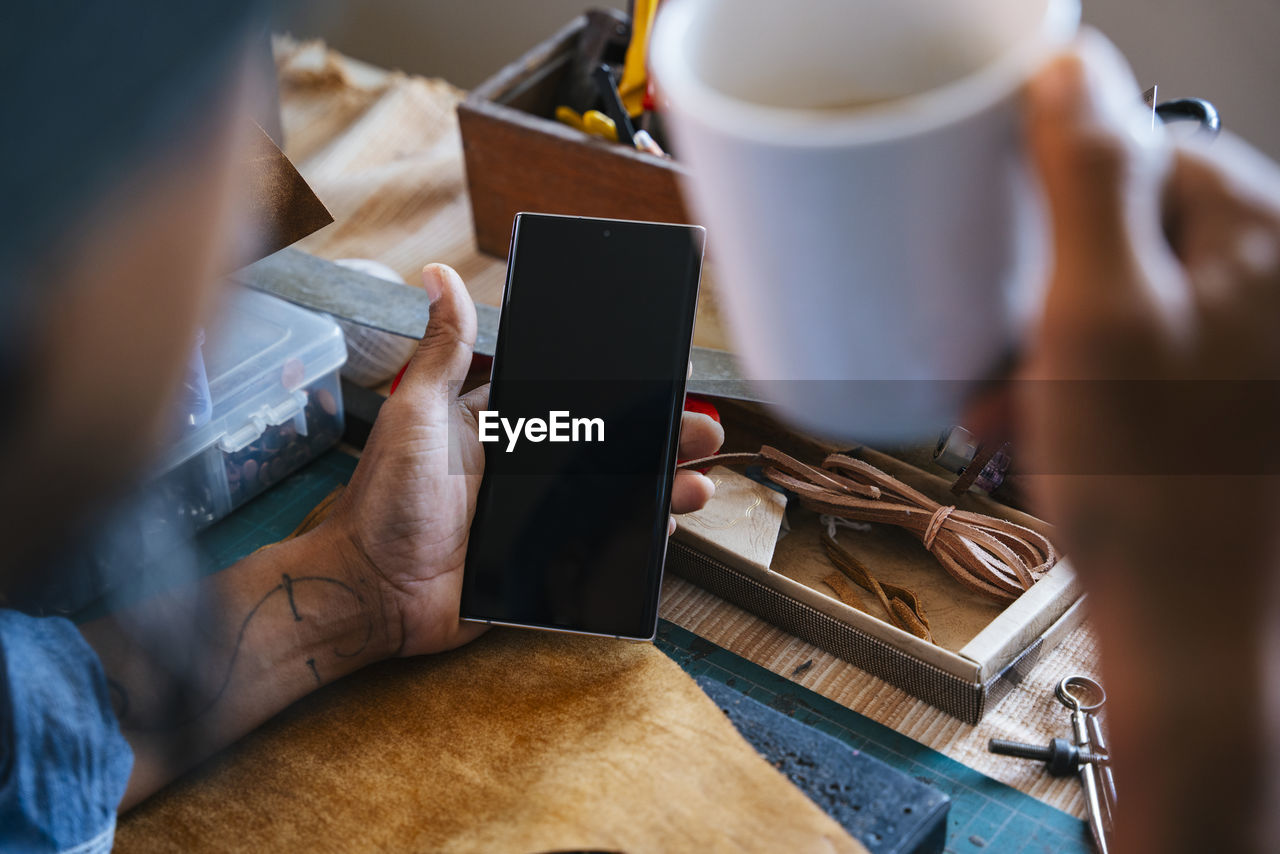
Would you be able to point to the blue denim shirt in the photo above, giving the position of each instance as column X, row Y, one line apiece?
column 63, row 762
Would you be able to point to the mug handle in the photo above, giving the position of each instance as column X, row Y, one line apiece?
column 1191, row 110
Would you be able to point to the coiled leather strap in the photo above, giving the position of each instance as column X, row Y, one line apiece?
column 992, row 556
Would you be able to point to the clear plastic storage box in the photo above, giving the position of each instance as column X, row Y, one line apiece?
column 272, row 371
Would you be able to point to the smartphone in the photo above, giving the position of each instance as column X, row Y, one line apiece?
column 583, row 425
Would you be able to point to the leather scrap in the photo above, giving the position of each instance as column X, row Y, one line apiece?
column 995, row 557
column 281, row 207
column 901, row 603
column 520, row 741
column 844, row 590
column 982, row 456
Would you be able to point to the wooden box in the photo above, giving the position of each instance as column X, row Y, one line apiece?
column 983, row 648
column 519, row 158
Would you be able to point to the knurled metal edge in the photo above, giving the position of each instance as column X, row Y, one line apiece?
column 1014, row 674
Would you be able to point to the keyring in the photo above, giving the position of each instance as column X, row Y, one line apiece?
column 1081, row 693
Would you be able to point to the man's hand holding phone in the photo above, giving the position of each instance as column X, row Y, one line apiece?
column 403, row 521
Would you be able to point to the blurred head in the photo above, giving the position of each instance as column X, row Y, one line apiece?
column 120, row 196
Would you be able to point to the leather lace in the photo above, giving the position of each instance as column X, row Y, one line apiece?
column 992, row 556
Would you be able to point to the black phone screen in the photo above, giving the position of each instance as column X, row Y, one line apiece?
column 587, row 390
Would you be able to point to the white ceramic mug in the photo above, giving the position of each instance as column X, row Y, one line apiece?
column 859, row 166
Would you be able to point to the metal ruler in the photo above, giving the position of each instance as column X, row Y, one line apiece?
column 321, row 285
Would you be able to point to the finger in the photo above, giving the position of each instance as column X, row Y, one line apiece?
column 1118, row 300
column 443, row 356
column 1096, row 164
column 700, row 436
column 464, row 634
column 691, row 491
column 1223, row 223
column 1248, row 174
column 476, row 400
column 1226, row 233
column 470, row 459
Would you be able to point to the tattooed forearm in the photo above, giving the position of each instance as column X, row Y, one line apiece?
column 287, row 583
column 185, row 704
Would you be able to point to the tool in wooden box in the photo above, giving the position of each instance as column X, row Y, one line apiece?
column 606, row 83
column 634, row 82
column 592, row 122
column 1086, row 755
column 605, row 39
column 613, row 123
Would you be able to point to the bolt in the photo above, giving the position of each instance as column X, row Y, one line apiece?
column 1060, row 757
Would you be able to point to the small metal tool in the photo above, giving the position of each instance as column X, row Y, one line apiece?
column 604, row 38
column 957, row 449
column 1084, row 696
column 613, row 108
column 1100, row 746
column 1080, row 693
column 1061, row 758
column 1086, row 754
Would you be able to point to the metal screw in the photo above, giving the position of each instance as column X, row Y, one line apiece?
column 1060, row 757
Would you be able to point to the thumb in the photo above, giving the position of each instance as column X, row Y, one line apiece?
column 476, row 400
column 1099, row 164
column 443, row 356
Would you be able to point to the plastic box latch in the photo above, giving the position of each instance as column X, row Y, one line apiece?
column 292, row 407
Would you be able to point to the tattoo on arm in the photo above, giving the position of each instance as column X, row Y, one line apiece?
column 287, row 583
column 185, row 708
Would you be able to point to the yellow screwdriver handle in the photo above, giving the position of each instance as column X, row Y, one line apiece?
column 591, row 122
column 598, row 124
column 634, row 74
column 570, row 117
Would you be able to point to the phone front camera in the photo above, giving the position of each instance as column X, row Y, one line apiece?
column 606, row 232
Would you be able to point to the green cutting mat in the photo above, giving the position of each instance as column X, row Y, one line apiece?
column 985, row 815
